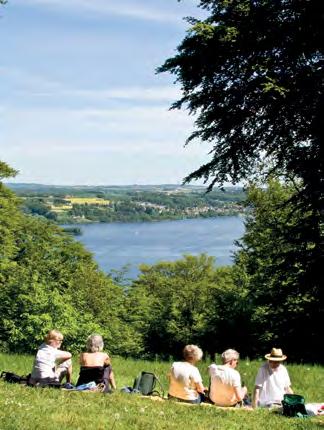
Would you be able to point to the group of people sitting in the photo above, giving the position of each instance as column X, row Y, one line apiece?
column 52, row 365
column 225, row 387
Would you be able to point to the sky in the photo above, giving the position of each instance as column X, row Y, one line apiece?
column 80, row 102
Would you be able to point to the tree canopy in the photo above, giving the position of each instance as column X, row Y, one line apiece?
column 276, row 262
column 252, row 73
column 49, row 280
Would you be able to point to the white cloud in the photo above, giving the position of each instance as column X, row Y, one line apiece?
column 36, row 85
column 31, row 83
column 139, row 94
column 134, row 9
column 132, row 129
column 165, row 93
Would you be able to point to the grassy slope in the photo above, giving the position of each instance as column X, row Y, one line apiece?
column 27, row 408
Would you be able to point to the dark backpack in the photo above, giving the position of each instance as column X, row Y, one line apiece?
column 13, row 378
column 293, row 405
column 145, row 383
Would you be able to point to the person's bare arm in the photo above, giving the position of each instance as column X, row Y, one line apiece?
column 289, row 390
column 112, row 380
column 63, row 356
column 238, row 393
column 256, row 397
column 200, row 387
column 107, row 360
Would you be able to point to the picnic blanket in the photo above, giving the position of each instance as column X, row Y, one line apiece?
column 314, row 409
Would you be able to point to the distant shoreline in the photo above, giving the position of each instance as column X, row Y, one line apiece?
column 81, row 205
column 155, row 220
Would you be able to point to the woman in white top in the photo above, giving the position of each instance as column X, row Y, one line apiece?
column 51, row 364
column 185, row 382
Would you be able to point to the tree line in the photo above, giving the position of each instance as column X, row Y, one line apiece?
column 126, row 204
column 47, row 280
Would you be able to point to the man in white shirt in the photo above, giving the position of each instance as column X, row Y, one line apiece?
column 51, row 364
column 272, row 381
column 225, row 382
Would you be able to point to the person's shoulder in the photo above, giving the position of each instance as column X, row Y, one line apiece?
column 283, row 368
column 43, row 349
column 212, row 367
column 190, row 366
column 47, row 348
column 104, row 354
column 42, row 346
column 234, row 372
column 182, row 366
column 264, row 366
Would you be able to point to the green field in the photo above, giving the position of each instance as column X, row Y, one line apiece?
column 29, row 408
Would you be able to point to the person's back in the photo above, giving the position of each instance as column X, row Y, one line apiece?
column 90, row 359
column 183, row 379
column 185, row 383
column 95, row 365
column 225, row 382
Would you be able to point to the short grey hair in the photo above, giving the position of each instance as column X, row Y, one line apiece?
column 229, row 355
column 95, row 343
column 192, row 352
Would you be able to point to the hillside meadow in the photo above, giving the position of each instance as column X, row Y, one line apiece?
column 28, row 408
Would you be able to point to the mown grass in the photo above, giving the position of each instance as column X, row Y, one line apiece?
column 29, row 408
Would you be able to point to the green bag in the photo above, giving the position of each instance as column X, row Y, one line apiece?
column 293, row 405
column 146, row 382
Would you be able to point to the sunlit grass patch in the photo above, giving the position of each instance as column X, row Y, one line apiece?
column 87, row 200
column 51, row 409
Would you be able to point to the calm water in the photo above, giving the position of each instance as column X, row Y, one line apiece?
column 117, row 244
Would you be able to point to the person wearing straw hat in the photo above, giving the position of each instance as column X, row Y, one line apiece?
column 272, row 381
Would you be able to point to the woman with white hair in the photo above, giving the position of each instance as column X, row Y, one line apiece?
column 96, row 364
column 184, row 378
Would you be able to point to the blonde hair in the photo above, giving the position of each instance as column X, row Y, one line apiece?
column 95, row 343
column 229, row 355
column 53, row 335
column 192, row 352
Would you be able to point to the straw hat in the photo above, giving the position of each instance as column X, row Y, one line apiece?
column 276, row 355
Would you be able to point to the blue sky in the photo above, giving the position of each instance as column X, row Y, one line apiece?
column 80, row 102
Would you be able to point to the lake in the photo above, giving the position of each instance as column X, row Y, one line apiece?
column 117, row 244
